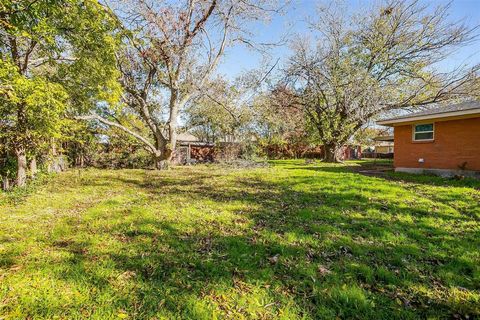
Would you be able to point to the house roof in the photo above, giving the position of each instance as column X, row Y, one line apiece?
column 468, row 108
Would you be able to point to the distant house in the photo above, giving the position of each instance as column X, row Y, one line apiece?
column 444, row 141
column 384, row 144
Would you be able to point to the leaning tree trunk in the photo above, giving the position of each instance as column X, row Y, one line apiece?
column 332, row 152
column 21, row 166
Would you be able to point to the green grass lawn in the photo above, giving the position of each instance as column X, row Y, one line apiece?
column 288, row 241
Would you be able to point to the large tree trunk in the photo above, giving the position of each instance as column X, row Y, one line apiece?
column 162, row 157
column 163, row 160
column 171, row 143
column 21, row 166
column 332, row 152
column 161, row 163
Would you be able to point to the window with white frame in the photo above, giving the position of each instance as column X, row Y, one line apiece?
column 423, row 132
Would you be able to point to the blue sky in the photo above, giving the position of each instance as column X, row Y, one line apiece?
column 240, row 59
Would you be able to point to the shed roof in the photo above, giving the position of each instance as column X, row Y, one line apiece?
column 187, row 137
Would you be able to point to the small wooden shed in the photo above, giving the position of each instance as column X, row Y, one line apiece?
column 190, row 149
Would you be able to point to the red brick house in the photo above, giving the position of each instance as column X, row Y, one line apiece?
column 444, row 141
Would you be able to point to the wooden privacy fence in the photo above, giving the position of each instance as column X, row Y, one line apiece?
column 376, row 155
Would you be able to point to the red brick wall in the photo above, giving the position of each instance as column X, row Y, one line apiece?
column 456, row 142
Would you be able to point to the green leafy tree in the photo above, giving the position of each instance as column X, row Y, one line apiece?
column 57, row 56
column 31, row 110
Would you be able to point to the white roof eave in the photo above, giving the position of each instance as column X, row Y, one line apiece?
column 391, row 122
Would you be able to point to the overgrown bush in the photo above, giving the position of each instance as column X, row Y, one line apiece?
column 117, row 159
column 8, row 167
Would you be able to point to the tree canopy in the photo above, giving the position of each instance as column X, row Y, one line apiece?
column 360, row 66
column 57, row 57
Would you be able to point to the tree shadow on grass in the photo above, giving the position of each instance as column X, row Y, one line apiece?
column 385, row 171
column 325, row 252
column 315, row 246
column 448, row 191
